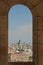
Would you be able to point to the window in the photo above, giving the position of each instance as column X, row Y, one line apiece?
column 20, row 34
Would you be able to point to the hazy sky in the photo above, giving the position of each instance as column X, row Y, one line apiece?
column 19, row 24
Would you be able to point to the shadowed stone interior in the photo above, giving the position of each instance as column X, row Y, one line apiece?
column 36, row 7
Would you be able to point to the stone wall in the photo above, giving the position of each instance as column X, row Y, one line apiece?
column 36, row 7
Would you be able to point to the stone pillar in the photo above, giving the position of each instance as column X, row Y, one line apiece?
column 35, row 40
column 4, row 40
column 40, row 40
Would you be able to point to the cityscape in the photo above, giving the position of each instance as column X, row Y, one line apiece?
column 20, row 52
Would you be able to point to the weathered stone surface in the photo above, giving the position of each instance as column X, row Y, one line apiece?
column 40, row 37
column 35, row 25
column 35, row 37
column 40, row 54
column 36, row 7
column 40, row 9
column 35, row 2
column 40, row 23
column 3, row 8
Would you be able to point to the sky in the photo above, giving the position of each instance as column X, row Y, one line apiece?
column 19, row 24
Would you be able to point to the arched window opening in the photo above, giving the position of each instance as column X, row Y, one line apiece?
column 20, row 47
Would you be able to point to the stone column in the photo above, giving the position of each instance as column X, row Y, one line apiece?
column 3, row 39
column 40, row 40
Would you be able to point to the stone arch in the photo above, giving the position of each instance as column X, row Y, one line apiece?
column 36, row 8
